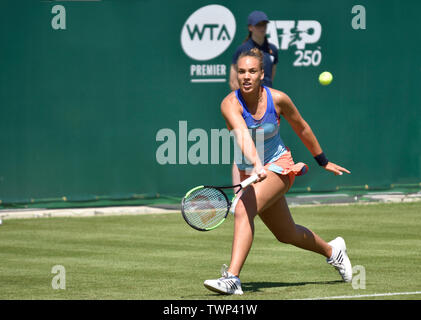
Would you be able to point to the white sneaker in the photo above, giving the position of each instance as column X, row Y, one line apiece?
column 227, row 284
column 340, row 259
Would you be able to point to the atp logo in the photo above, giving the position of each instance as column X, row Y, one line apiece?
column 289, row 33
column 208, row 32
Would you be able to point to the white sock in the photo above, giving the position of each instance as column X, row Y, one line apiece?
column 335, row 253
column 231, row 275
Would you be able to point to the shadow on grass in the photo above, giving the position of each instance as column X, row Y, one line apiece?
column 257, row 286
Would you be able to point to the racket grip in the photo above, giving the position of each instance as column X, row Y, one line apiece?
column 249, row 181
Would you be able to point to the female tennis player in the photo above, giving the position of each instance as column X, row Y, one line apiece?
column 256, row 106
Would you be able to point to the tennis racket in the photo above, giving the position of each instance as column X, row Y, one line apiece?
column 205, row 207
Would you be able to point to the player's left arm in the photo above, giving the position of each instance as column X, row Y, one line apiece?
column 290, row 112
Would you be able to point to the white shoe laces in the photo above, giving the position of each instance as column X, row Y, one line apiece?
column 224, row 271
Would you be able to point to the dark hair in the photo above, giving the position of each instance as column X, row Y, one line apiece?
column 256, row 53
column 248, row 37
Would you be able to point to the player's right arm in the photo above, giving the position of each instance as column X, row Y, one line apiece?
column 232, row 113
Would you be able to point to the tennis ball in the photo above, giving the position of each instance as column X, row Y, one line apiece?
column 325, row 78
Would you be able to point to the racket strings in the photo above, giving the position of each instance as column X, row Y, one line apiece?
column 205, row 207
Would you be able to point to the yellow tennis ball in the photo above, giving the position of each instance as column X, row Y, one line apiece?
column 325, row 78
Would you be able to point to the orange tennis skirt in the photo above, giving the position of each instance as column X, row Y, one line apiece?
column 284, row 166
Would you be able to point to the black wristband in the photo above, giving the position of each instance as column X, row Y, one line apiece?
column 321, row 159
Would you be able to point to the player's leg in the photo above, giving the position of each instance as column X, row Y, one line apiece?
column 255, row 198
column 280, row 222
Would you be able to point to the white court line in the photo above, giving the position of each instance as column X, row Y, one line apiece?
column 365, row 295
column 323, row 195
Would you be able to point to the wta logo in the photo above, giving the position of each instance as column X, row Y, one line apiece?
column 208, row 32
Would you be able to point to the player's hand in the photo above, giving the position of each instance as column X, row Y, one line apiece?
column 261, row 172
column 337, row 170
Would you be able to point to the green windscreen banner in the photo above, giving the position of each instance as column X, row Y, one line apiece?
column 117, row 99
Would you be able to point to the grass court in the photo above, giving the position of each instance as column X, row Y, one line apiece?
column 159, row 257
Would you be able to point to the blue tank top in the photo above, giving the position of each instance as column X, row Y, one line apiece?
column 273, row 146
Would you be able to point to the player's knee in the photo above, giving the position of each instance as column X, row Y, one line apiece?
column 241, row 212
column 286, row 238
